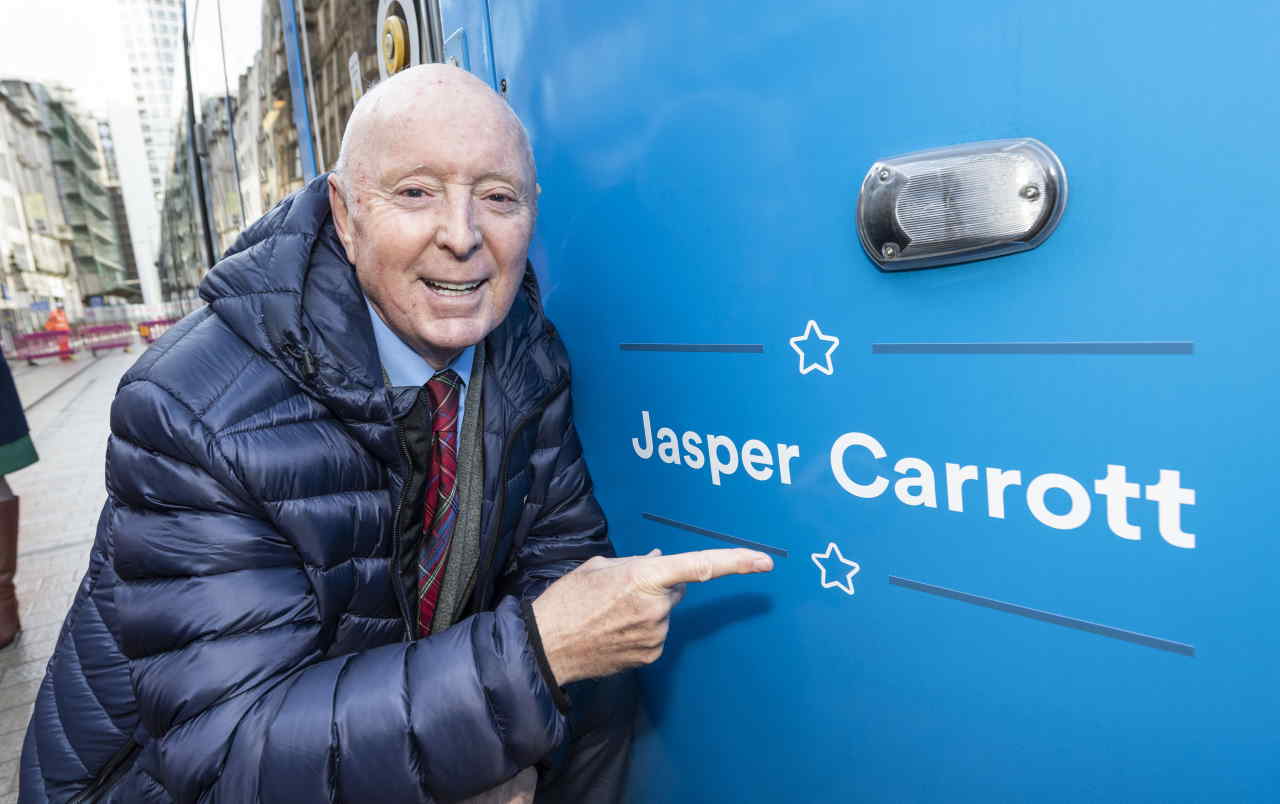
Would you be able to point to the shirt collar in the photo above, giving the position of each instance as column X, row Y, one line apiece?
column 405, row 367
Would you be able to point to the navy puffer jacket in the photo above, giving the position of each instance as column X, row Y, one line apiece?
column 241, row 633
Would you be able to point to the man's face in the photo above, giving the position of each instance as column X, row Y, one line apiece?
column 437, row 218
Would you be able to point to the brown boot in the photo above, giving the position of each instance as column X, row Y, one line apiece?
column 9, row 625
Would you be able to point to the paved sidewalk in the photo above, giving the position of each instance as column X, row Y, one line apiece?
column 61, row 497
column 41, row 380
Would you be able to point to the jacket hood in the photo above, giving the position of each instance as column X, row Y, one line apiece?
column 287, row 288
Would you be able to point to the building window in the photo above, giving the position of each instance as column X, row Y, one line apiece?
column 11, row 213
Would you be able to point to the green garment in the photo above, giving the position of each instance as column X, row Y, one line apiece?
column 17, row 454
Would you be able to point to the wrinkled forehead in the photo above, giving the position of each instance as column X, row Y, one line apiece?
column 454, row 133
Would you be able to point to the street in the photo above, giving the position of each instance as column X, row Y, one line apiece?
column 68, row 407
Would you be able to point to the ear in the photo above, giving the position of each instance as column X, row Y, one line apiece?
column 341, row 217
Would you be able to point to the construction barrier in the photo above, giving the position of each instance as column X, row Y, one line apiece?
column 46, row 343
column 105, row 336
column 150, row 330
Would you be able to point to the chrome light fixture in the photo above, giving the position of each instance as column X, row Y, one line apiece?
column 961, row 203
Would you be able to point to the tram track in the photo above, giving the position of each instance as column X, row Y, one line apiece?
column 64, row 382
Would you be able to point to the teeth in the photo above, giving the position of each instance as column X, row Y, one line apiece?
column 453, row 288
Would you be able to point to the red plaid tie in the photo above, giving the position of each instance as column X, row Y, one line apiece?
column 441, row 504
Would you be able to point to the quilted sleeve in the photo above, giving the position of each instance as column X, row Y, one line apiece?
column 221, row 625
column 569, row 526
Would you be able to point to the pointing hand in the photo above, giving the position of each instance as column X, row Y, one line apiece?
column 611, row 614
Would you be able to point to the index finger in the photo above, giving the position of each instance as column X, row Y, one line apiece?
column 703, row 565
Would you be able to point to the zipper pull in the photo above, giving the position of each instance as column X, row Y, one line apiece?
column 308, row 364
column 300, row 354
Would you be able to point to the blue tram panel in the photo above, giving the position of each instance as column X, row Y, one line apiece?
column 1021, row 508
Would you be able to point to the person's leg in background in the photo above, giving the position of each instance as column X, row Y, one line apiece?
column 16, row 452
column 9, row 625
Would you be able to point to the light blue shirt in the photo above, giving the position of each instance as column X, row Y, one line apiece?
column 406, row 367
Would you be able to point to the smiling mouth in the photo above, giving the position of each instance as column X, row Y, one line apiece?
column 453, row 288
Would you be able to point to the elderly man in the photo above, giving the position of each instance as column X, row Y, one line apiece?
column 350, row 551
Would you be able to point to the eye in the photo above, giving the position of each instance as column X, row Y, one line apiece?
column 501, row 197
column 413, row 192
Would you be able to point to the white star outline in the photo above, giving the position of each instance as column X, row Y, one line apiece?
column 847, row 584
column 812, row 330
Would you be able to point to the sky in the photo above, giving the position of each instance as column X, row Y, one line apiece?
column 78, row 43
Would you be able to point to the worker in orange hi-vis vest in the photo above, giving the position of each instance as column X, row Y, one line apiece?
column 58, row 321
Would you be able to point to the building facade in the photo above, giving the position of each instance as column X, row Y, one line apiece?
column 153, row 43
column 335, row 30
column 86, row 205
column 181, row 261
column 248, row 127
column 38, row 271
column 221, row 170
column 145, row 128
column 278, row 156
column 119, row 214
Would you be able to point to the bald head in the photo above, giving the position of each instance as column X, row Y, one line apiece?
column 434, row 199
column 424, row 101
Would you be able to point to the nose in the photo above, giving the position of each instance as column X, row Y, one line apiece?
column 456, row 230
